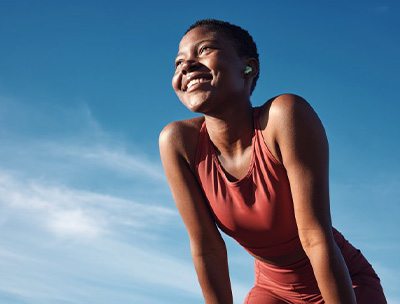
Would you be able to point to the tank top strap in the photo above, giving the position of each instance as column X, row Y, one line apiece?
column 203, row 135
column 257, row 128
column 256, row 118
column 258, row 133
column 202, row 145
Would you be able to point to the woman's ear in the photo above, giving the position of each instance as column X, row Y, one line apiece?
column 248, row 69
column 251, row 67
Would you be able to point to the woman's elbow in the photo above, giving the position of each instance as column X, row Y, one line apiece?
column 207, row 248
column 317, row 242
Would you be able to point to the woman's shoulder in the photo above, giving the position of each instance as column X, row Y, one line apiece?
column 283, row 114
column 181, row 137
column 284, row 109
column 283, row 104
column 179, row 130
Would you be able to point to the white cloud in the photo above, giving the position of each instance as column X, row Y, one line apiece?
column 115, row 159
column 70, row 235
column 66, row 242
column 84, row 244
column 71, row 212
column 73, row 222
column 48, row 137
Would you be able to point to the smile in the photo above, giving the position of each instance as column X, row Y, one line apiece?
column 196, row 81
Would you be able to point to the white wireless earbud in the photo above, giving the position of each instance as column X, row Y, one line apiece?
column 248, row 69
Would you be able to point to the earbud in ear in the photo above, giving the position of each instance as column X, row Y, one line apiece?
column 248, row 69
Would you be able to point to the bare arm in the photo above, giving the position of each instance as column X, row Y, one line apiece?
column 207, row 246
column 303, row 146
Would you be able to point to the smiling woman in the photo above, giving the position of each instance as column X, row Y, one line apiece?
column 259, row 174
column 217, row 57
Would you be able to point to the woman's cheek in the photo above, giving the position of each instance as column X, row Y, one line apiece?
column 175, row 83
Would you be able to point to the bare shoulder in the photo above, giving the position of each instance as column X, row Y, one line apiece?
column 181, row 137
column 285, row 114
column 284, row 106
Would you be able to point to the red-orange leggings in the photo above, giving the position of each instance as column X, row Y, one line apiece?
column 296, row 283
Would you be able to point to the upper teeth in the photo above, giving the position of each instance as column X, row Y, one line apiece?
column 194, row 81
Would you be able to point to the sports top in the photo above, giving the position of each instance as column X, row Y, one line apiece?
column 256, row 210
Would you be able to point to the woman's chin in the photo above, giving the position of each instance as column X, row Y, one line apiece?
column 197, row 102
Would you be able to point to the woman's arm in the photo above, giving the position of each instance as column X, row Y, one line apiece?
column 207, row 246
column 303, row 147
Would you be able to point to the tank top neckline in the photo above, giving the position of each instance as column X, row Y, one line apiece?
column 218, row 164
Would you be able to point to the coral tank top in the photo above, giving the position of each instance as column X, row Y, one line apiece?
column 256, row 210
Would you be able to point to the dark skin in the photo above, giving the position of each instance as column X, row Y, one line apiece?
column 293, row 133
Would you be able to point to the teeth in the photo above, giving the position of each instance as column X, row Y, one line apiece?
column 194, row 81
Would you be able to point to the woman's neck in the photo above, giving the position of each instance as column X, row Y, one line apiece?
column 232, row 131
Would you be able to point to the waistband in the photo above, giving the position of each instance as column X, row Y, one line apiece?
column 302, row 270
column 276, row 250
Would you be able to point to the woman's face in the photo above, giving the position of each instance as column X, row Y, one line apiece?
column 209, row 71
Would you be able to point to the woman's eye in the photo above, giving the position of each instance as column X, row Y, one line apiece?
column 204, row 49
column 178, row 63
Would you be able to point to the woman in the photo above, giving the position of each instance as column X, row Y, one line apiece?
column 260, row 174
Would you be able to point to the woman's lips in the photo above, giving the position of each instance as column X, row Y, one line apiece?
column 195, row 83
column 194, row 79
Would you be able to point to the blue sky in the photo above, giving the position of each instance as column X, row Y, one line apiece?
column 86, row 215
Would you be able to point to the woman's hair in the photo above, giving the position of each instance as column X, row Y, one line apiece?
column 242, row 40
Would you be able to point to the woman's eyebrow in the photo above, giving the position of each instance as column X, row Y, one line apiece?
column 196, row 45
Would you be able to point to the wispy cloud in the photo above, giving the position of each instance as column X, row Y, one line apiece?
column 72, row 212
column 66, row 242
column 112, row 158
column 57, row 138
column 72, row 241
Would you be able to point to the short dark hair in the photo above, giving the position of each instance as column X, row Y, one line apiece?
column 242, row 40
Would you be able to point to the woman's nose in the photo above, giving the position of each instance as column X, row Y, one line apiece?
column 189, row 66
